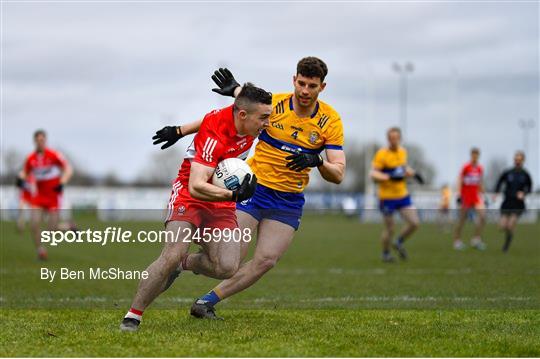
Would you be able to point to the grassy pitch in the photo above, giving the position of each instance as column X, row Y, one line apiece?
column 329, row 296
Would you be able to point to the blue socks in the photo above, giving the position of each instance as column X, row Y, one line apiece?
column 211, row 297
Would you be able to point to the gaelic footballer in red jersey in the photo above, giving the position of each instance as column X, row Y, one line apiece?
column 51, row 172
column 470, row 191
column 216, row 140
column 197, row 204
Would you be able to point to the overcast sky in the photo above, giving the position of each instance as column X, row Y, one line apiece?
column 102, row 77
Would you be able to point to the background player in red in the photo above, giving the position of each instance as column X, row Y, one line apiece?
column 51, row 172
column 196, row 203
column 470, row 191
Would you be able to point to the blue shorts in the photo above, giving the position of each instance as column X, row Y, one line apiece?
column 284, row 207
column 389, row 206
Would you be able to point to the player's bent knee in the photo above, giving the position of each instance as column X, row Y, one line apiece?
column 170, row 260
column 226, row 269
column 224, row 272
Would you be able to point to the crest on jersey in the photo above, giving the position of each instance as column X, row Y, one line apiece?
column 313, row 137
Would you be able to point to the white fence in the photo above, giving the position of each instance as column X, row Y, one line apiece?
column 130, row 203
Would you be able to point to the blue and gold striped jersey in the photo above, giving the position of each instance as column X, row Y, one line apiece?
column 389, row 161
column 288, row 134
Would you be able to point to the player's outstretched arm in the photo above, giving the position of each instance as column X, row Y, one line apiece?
column 67, row 173
column 377, row 175
column 333, row 169
column 191, row 128
column 410, row 172
column 23, row 174
column 171, row 134
column 227, row 84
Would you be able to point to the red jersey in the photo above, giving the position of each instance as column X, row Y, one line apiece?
column 471, row 179
column 46, row 168
column 216, row 140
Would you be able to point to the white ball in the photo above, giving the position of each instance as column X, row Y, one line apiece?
column 230, row 173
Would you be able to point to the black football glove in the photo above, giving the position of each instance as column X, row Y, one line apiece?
column 246, row 189
column 19, row 182
column 458, row 200
column 225, row 81
column 301, row 161
column 59, row 188
column 171, row 134
column 419, row 178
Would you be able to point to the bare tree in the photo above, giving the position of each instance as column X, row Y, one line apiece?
column 12, row 163
column 418, row 161
column 494, row 169
column 161, row 169
column 80, row 176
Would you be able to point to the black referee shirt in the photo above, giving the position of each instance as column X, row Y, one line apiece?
column 514, row 180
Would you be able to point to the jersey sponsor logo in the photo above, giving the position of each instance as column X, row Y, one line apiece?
column 46, row 173
column 471, row 179
column 323, row 120
column 290, row 149
column 297, row 128
column 208, row 149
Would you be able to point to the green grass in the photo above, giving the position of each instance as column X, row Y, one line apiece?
column 329, row 296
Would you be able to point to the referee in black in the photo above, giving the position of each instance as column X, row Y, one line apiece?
column 517, row 184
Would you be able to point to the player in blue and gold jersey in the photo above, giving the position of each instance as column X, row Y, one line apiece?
column 390, row 171
column 301, row 128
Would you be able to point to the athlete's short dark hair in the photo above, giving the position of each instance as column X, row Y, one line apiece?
column 39, row 132
column 394, row 129
column 520, row 153
column 251, row 94
column 475, row 150
column 312, row 67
